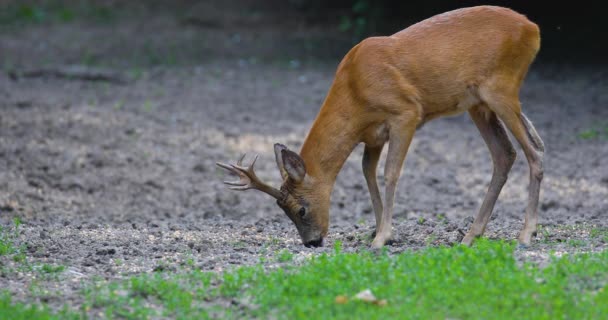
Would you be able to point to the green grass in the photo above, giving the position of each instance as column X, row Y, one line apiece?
column 147, row 106
column 586, row 235
column 179, row 295
column 577, row 243
column 6, row 245
column 599, row 233
column 596, row 131
column 8, row 237
column 284, row 256
column 482, row 282
column 47, row 268
column 9, row 247
column 20, row 311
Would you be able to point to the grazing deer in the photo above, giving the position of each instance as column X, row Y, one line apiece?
column 472, row 59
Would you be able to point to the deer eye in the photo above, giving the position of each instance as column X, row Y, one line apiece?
column 302, row 212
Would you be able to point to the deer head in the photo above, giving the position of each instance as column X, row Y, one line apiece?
column 302, row 199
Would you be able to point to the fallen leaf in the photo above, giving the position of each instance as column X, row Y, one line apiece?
column 381, row 303
column 341, row 299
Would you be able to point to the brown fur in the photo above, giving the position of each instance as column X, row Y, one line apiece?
column 387, row 87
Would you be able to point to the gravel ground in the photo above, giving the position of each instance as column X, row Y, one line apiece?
column 115, row 179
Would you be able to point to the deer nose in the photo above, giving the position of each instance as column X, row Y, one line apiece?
column 314, row 243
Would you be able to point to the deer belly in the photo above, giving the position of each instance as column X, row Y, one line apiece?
column 468, row 100
column 454, row 106
column 376, row 135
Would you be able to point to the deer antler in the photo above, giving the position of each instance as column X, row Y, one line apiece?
column 248, row 179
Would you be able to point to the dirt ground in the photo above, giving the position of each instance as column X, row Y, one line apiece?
column 114, row 178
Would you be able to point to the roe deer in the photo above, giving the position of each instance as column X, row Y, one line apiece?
column 471, row 59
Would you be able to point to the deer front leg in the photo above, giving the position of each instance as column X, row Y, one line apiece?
column 371, row 156
column 503, row 155
column 400, row 136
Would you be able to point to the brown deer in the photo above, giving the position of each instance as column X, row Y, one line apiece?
column 471, row 59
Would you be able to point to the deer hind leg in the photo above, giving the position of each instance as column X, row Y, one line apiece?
column 371, row 156
column 535, row 159
column 400, row 136
column 503, row 155
column 509, row 111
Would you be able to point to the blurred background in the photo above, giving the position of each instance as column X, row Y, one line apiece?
column 185, row 31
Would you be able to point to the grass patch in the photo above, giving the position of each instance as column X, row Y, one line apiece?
column 8, row 238
column 6, row 245
column 577, row 243
column 596, row 131
column 585, row 235
column 182, row 296
column 482, row 282
column 10, row 248
column 284, row 256
column 601, row 233
column 47, row 268
column 20, row 311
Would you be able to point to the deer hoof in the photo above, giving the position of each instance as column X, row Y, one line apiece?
column 468, row 240
column 376, row 245
column 380, row 240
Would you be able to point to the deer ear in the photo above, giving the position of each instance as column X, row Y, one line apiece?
column 294, row 165
column 279, row 158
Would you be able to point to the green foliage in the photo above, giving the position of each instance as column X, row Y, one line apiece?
column 8, row 237
column 47, row 268
column 595, row 132
column 577, row 243
column 6, row 244
column 20, row 311
column 284, row 256
column 53, row 11
column 588, row 134
column 177, row 295
column 17, row 252
column 361, row 20
column 599, row 233
column 482, row 282
column 9, row 247
column 148, row 107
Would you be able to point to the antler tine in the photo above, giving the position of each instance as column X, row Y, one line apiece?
column 252, row 164
column 240, row 162
column 247, row 178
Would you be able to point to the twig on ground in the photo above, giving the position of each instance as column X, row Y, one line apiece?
column 76, row 72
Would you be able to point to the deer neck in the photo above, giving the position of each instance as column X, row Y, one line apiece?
column 331, row 139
